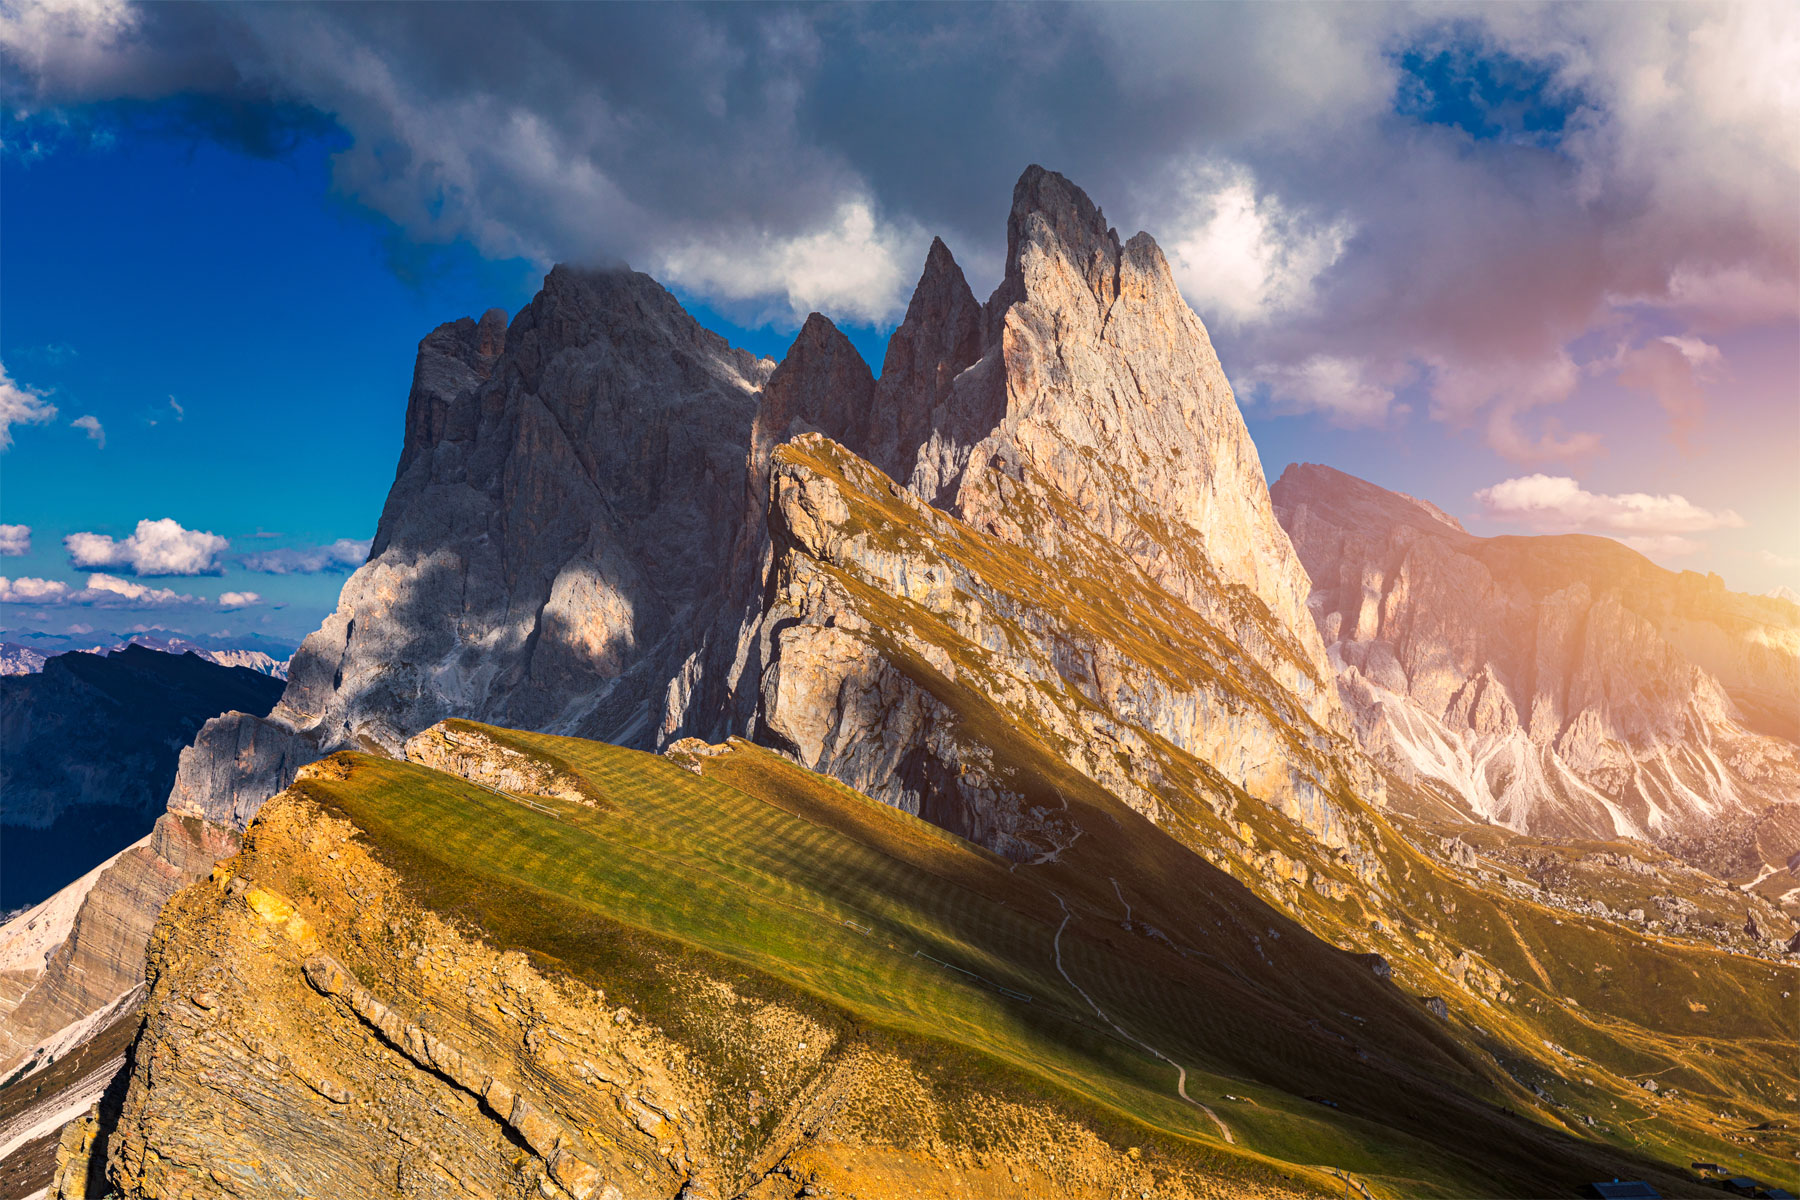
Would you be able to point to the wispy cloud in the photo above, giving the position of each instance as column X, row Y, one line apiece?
column 1557, row 504
column 20, row 405
column 96, row 432
column 345, row 554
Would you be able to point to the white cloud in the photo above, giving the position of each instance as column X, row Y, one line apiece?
column 102, row 588
column 15, row 540
column 1769, row 558
column 1557, row 504
column 238, row 599
column 1240, row 256
column 20, row 405
column 853, row 267
column 29, row 590
column 345, row 554
column 101, row 591
column 95, row 431
column 157, row 548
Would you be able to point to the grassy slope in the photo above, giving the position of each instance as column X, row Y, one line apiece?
column 1627, row 1006
column 762, row 864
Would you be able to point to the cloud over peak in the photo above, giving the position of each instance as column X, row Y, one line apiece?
column 1344, row 192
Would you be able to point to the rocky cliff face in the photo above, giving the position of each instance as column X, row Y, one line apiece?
column 577, row 537
column 1558, row 685
column 97, row 970
column 1094, row 383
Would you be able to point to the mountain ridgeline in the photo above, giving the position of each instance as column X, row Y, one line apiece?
column 1556, row 685
column 942, row 782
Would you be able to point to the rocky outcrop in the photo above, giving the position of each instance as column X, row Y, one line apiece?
column 1097, row 392
column 461, row 748
column 551, row 546
column 1559, row 685
column 901, row 642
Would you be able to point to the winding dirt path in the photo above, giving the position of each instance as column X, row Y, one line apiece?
column 1180, row 1071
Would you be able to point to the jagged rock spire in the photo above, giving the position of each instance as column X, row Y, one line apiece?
column 1095, row 382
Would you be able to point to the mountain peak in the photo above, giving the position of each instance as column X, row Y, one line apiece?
column 939, row 339
column 1057, row 205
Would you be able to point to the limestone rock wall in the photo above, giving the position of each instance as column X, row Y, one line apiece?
column 1558, row 685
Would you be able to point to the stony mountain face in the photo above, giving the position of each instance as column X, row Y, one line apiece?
column 577, row 540
column 1555, row 685
column 96, row 972
column 1086, row 381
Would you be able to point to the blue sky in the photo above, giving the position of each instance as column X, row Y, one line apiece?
column 1441, row 255
column 145, row 269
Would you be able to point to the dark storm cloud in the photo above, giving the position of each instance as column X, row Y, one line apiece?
column 1360, row 196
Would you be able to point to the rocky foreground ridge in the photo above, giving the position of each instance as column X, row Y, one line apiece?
column 1563, row 686
column 1028, row 585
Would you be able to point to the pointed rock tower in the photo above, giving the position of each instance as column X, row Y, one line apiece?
column 1087, row 383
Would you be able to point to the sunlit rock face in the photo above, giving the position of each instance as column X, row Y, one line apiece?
column 1096, row 400
column 1560, row 685
column 1075, row 431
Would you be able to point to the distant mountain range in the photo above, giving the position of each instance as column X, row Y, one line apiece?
column 1564, row 686
column 23, row 658
column 91, row 747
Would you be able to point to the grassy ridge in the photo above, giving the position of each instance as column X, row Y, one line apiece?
column 778, row 871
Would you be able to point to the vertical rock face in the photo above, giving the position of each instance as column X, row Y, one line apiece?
column 1097, row 390
column 1560, row 685
column 100, row 965
column 553, row 547
column 553, row 539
